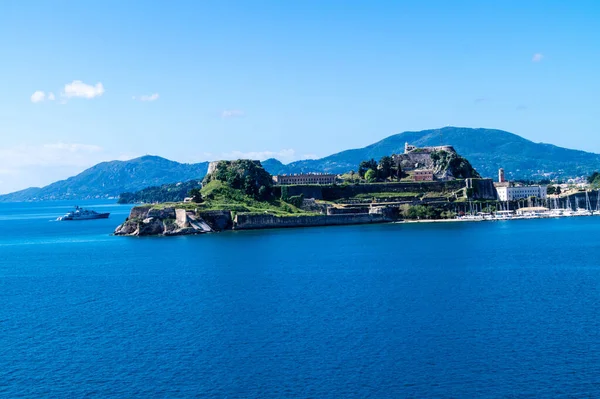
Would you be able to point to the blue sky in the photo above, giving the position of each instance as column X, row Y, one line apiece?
column 83, row 82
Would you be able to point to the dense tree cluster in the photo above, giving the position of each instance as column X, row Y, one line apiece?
column 594, row 179
column 553, row 190
column 175, row 192
column 372, row 171
column 427, row 212
column 245, row 175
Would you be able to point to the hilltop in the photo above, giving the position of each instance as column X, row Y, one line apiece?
column 109, row 179
column 486, row 149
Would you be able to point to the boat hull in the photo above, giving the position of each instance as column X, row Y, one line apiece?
column 86, row 217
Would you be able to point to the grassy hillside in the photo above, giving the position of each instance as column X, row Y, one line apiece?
column 219, row 195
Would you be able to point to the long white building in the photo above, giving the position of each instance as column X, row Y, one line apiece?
column 507, row 193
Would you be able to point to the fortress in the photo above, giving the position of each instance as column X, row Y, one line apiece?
column 408, row 148
column 419, row 160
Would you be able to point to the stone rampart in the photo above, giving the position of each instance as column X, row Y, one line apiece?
column 139, row 212
column 481, row 189
column 250, row 221
column 335, row 192
column 217, row 220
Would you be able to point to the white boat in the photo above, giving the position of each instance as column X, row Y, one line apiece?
column 504, row 215
column 582, row 212
column 83, row 214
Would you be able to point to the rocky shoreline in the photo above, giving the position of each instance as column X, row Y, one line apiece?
column 172, row 221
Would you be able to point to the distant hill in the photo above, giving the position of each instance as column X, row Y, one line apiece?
column 486, row 149
column 171, row 192
column 109, row 179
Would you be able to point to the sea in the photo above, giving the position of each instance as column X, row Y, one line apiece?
column 507, row 309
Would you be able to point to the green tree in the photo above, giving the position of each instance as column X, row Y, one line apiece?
column 557, row 191
column 196, row 195
column 365, row 166
column 385, row 167
column 296, row 200
column 263, row 193
column 371, row 175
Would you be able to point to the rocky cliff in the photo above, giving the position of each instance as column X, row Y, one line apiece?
column 169, row 221
column 147, row 221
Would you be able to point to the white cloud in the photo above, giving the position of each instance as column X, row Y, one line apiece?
column 537, row 57
column 51, row 96
column 79, row 89
column 232, row 113
column 151, row 97
column 37, row 165
column 38, row 96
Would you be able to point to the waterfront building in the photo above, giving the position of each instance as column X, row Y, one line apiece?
column 509, row 191
column 423, row 175
column 306, row 178
column 512, row 193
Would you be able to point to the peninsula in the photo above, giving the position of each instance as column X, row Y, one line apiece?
column 431, row 182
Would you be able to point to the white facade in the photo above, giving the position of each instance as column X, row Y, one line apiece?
column 516, row 193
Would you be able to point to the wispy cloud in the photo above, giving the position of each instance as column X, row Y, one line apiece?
column 35, row 165
column 537, row 57
column 71, row 90
column 151, row 97
column 283, row 155
column 50, row 154
column 73, row 147
column 38, row 96
column 82, row 90
column 232, row 113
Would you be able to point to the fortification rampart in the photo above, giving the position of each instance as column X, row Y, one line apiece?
column 249, row 221
column 335, row 192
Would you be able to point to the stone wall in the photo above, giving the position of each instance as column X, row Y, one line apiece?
column 139, row 212
column 248, row 222
column 481, row 189
column 335, row 192
column 348, row 210
column 217, row 220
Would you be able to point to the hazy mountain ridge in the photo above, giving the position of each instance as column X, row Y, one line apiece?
column 486, row 149
column 109, row 179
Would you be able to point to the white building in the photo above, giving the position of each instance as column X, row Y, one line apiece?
column 507, row 193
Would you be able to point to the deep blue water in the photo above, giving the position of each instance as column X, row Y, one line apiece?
column 503, row 309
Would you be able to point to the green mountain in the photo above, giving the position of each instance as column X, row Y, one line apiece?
column 109, row 179
column 171, row 192
column 486, row 149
